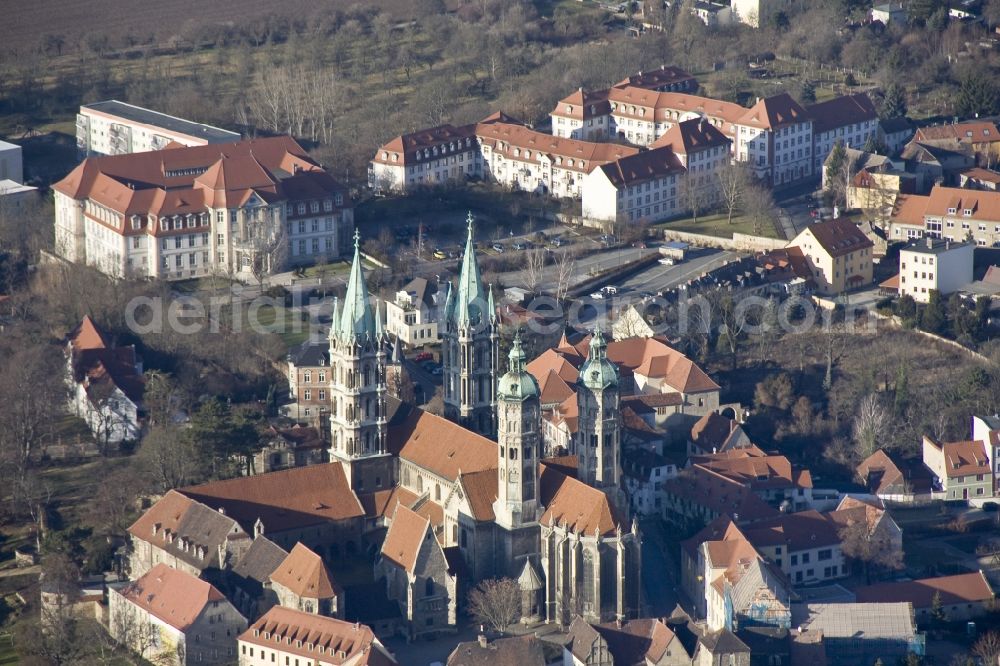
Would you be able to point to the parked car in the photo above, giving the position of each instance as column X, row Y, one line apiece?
column 521, row 245
column 423, row 356
column 668, row 261
column 498, row 247
column 610, row 290
column 559, row 242
column 597, row 295
column 440, row 254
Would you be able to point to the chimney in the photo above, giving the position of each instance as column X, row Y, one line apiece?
column 482, row 640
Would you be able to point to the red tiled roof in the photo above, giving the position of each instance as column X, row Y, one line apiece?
column 839, row 237
column 481, row 492
column 645, row 166
column 382, row 503
column 404, row 538
column 284, row 500
column 304, row 573
column 970, row 131
column 841, row 111
column 173, row 596
column 983, row 204
column 577, row 506
column 440, row 446
column 691, row 136
column 664, row 75
column 909, row 209
column 521, row 143
column 332, row 641
column 958, row 589
column 719, row 494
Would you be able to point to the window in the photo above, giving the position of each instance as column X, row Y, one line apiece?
column 825, row 554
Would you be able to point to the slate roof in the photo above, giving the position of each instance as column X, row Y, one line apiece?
column 260, row 561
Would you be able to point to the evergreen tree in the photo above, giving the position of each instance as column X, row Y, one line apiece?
column 835, row 165
column 937, row 609
column 893, row 102
column 807, row 94
column 933, row 319
column 977, row 94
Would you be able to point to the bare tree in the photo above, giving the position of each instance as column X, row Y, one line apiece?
column 871, row 425
column 865, row 545
column 565, row 269
column 170, row 458
column 733, row 182
column 496, row 602
column 987, row 647
column 758, row 205
column 692, row 195
column 265, row 240
column 534, row 269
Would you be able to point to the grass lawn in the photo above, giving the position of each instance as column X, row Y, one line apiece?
column 337, row 268
column 717, row 225
column 292, row 327
column 7, row 653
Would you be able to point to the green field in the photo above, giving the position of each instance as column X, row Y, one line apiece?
column 718, row 225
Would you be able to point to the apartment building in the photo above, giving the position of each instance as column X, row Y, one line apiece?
column 433, row 156
column 116, row 128
column 227, row 208
column 851, row 120
column 929, row 264
column 644, row 186
column 756, row 12
column 838, row 253
column 412, row 317
column 308, row 381
column 962, row 468
column 957, row 215
column 11, row 163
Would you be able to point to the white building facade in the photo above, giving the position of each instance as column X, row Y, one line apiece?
column 929, row 264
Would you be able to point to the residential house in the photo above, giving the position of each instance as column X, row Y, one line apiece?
column 412, row 316
column 889, row 12
column 757, row 12
column 889, row 478
column 646, row 186
column 513, row 651
column 962, row 469
column 714, row 433
column 875, row 189
column 850, row 120
column 699, row 495
column 416, row 575
column 168, row 616
column 858, row 634
column 772, row 477
column 284, row 636
column 839, row 255
column 907, row 220
column 644, row 473
column 986, row 429
column 930, row 264
column 960, row 597
column 303, row 582
column 934, row 164
column 978, row 178
column 188, row 212
column 115, row 128
column 107, row 384
column 644, row 642
column 980, row 138
column 433, row 156
column 308, row 383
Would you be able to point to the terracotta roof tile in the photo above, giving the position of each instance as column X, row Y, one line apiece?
column 383, row 503
column 185, row 528
column 580, row 508
column 910, row 209
column 406, row 534
column 175, row 597
column 691, row 136
column 521, row 143
column 515, row 651
column 839, row 237
column 984, row 205
column 958, row 589
column 841, row 111
column 481, row 492
column 643, row 167
column 304, row 573
column 971, row 131
column 283, row 500
column 439, row 445
column 333, row 641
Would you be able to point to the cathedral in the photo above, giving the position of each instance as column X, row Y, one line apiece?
column 559, row 526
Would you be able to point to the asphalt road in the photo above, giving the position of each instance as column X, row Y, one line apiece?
column 659, row 277
column 659, row 573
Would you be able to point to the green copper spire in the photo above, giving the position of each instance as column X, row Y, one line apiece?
column 518, row 383
column 598, row 372
column 357, row 322
column 470, row 297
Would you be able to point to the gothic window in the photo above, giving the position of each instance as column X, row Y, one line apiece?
column 429, row 587
column 587, row 581
column 512, row 453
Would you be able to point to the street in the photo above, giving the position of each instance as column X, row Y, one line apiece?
column 659, row 573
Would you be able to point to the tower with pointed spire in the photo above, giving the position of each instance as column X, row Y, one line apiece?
column 519, row 440
column 598, row 437
column 469, row 347
column 358, row 386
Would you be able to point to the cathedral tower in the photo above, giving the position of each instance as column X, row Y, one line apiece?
column 519, row 442
column 469, row 347
column 598, row 439
column 358, row 387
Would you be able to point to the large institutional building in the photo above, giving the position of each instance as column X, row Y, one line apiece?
column 116, row 128
column 608, row 146
column 229, row 209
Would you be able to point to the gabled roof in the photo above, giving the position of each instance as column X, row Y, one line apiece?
column 260, row 561
column 87, row 336
column 691, row 136
column 304, row 574
column 405, row 536
column 754, row 468
column 643, row 167
column 837, row 237
column 970, row 131
column 958, row 589
column 185, row 528
column 652, row 79
column 841, row 111
column 439, row 445
column 880, row 473
column 317, row 637
column 964, row 458
column 285, row 500
column 983, row 204
column 171, row 595
column 719, row 494
column 481, row 491
column 514, row 651
column 775, row 112
column 715, row 432
column 910, row 209
column 577, row 506
column 520, row 143
column 383, row 503
column 581, row 104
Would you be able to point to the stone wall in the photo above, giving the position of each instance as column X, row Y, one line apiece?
column 739, row 242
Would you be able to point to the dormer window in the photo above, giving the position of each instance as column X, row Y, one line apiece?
column 136, row 222
column 967, row 212
column 951, row 211
column 569, row 109
column 385, row 155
